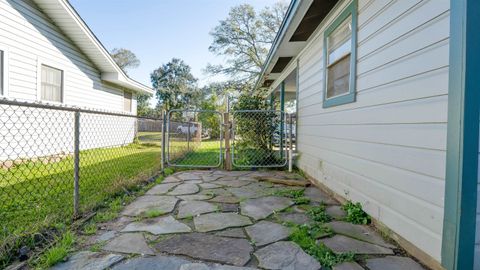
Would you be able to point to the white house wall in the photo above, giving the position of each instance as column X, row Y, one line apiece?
column 387, row 150
column 31, row 39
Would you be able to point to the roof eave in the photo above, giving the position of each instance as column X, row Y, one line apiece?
column 109, row 70
column 290, row 14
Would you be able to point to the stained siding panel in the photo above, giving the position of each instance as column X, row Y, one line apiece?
column 387, row 149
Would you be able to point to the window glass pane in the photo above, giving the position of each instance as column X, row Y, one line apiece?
column 339, row 48
column 339, row 41
column 51, row 84
column 338, row 79
column 127, row 102
column 1, row 73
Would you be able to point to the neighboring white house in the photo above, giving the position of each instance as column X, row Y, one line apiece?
column 371, row 84
column 49, row 55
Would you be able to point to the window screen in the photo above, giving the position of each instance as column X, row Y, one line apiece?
column 52, row 84
column 339, row 48
column 127, row 101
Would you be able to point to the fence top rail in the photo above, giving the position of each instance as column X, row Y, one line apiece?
column 263, row 111
column 50, row 106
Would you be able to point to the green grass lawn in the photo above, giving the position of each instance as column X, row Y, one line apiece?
column 204, row 153
column 39, row 195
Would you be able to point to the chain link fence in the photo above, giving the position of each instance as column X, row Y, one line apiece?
column 57, row 162
column 194, row 138
column 260, row 138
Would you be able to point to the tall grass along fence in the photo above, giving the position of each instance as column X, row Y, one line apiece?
column 58, row 163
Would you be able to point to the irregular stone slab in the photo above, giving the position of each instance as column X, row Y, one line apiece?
column 229, row 207
column 229, row 267
column 336, row 212
column 164, row 204
column 194, row 181
column 152, row 263
column 249, row 192
column 161, row 188
column 129, row 243
column 359, row 232
column 202, row 266
column 233, row 183
column 347, row 266
column 216, row 191
column 285, row 255
column 266, row 232
column 317, row 195
column 195, row 197
column 105, row 236
column 209, row 186
column 297, row 218
column 393, row 263
column 187, row 176
column 194, row 208
column 184, row 189
column 225, row 199
column 235, row 233
column 209, row 178
column 89, row 260
column 171, row 179
column 195, row 266
column 161, row 225
column 219, row 221
column 208, row 247
column 263, row 207
column 342, row 244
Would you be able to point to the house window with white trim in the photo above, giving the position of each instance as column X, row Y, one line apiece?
column 51, row 86
column 127, row 101
column 339, row 58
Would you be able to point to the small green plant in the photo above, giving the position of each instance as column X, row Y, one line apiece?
column 319, row 214
column 58, row 252
column 295, row 194
column 168, row 171
column 97, row 247
column 290, row 193
column 90, row 229
column 355, row 213
column 105, row 216
column 153, row 213
column 302, row 235
column 301, row 200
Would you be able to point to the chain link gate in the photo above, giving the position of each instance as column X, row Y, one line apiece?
column 194, row 138
column 240, row 139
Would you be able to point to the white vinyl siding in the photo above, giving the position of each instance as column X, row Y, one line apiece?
column 127, row 101
column 34, row 40
column 2, row 73
column 31, row 38
column 387, row 150
column 51, row 85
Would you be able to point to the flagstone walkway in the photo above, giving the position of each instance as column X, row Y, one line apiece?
column 214, row 220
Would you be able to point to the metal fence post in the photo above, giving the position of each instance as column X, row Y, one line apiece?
column 76, row 165
column 164, row 128
column 228, row 157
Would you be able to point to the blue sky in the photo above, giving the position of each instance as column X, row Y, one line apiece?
column 158, row 30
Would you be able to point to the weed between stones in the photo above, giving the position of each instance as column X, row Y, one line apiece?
column 355, row 213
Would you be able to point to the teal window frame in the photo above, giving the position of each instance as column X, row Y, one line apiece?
column 350, row 10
